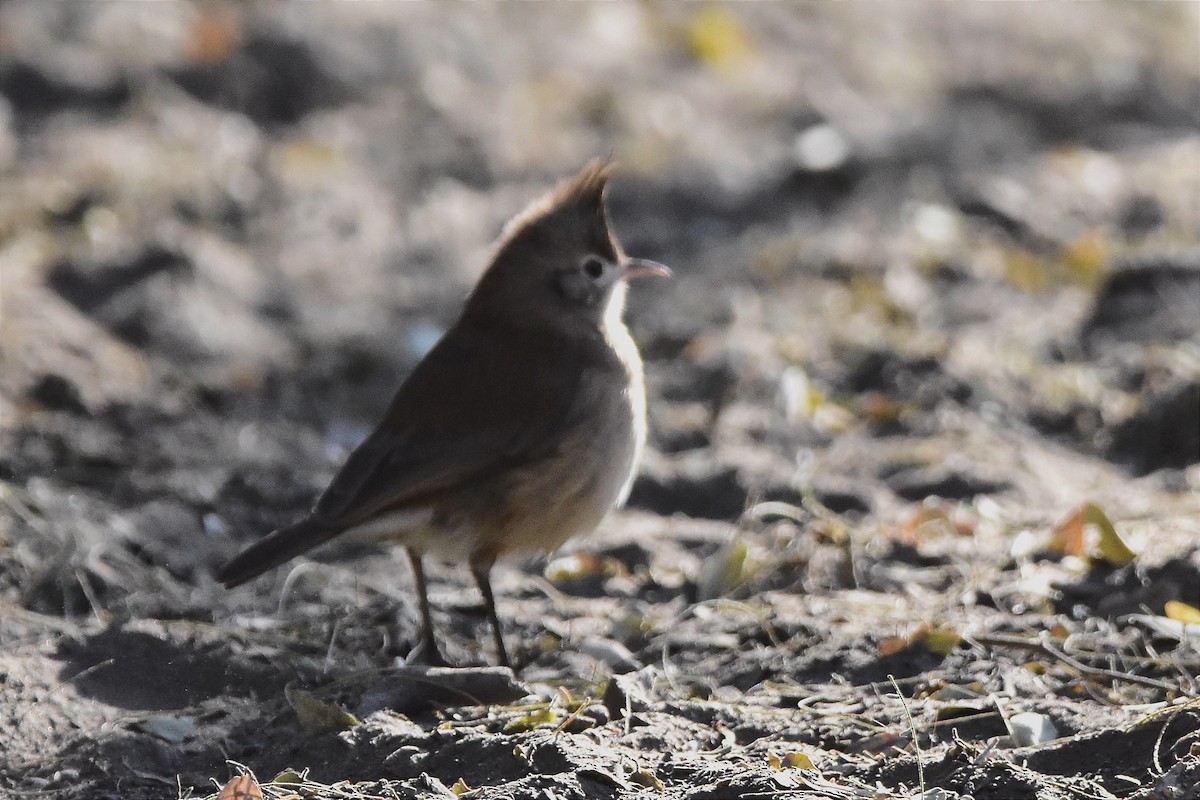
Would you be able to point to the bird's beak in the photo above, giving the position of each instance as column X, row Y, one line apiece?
column 642, row 267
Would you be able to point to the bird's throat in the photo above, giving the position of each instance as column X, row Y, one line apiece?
column 615, row 307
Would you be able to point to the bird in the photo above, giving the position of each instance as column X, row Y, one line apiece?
column 520, row 429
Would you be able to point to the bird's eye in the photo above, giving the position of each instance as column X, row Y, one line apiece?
column 593, row 267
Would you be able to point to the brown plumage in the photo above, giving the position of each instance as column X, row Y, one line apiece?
column 520, row 429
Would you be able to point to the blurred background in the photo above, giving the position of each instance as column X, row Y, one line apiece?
column 908, row 243
column 938, row 285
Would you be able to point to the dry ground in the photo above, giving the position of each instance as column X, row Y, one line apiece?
column 938, row 288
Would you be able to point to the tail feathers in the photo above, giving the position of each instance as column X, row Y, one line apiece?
column 274, row 549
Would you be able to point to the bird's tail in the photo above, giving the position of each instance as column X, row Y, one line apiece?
column 275, row 548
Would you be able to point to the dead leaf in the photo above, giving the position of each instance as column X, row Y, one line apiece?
column 937, row 640
column 1182, row 612
column 797, row 760
column 317, row 716
column 577, row 566
column 646, row 779
column 898, row 644
column 1069, row 537
column 243, row 787
column 1111, row 547
column 941, row 641
column 932, row 519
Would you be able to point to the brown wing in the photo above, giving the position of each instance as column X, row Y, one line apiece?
column 475, row 406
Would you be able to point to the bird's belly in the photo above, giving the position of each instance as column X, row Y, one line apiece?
column 567, row 497
column 568, row 493
column 418, row 528
column 535, row 509
column 540, row 505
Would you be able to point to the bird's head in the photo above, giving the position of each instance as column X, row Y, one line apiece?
column 560, row 260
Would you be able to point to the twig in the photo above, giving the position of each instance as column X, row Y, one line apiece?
column 574, row 715
column 1042, row 646
column 83, row 673
column 912, row 729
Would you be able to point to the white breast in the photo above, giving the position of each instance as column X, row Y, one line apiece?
column 635, row 401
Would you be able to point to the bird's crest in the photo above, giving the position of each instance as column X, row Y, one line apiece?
column 583, row 193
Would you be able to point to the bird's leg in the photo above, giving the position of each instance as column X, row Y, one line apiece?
column 481, row 571
column 433, row 656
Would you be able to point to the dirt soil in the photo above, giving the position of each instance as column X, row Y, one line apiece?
column 938, row 288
